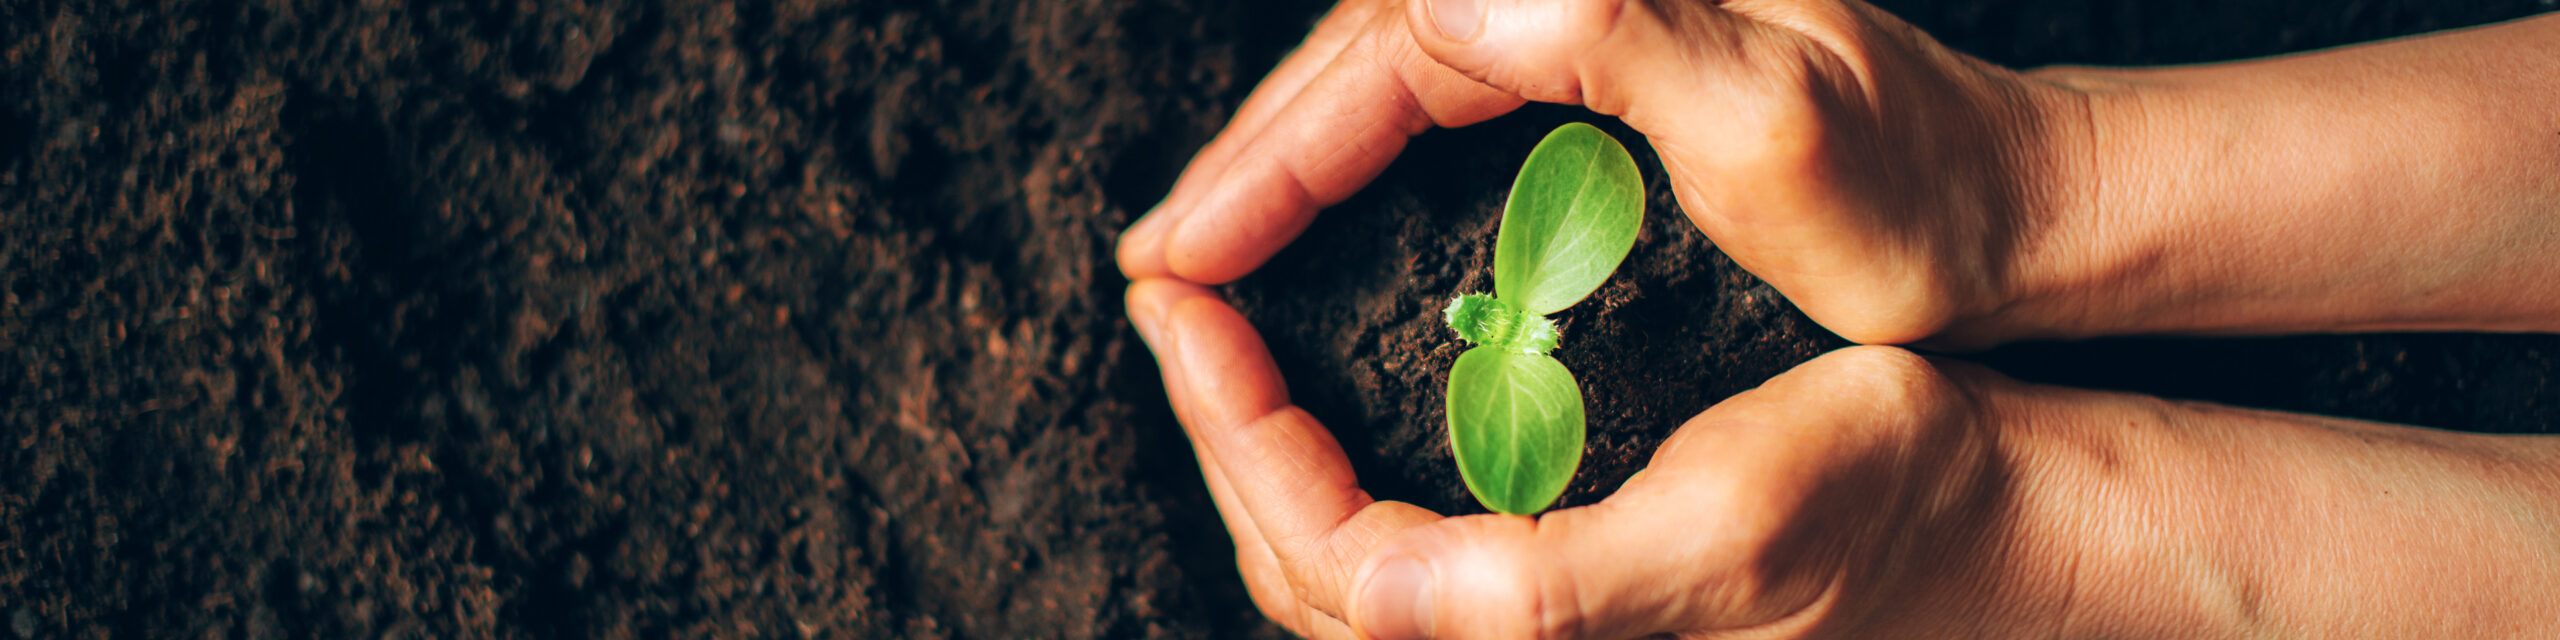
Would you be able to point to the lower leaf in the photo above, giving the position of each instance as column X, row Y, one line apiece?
column 1515, row 423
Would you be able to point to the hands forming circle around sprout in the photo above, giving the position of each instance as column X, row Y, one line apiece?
column 1902, row 193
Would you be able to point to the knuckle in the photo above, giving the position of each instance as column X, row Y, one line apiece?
column 1892, row 377
column 1842, row 28
column 1558, row 620
column 1595, row 19
column 1586, row 25
column 1548, row 46
column 1553, row 613
column 1547, row 593
column 1270, row 591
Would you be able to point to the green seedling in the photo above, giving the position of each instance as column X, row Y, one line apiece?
column 1515, row 413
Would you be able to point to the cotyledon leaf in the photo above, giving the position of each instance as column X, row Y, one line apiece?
column 1571, row 218
column 1515, row 423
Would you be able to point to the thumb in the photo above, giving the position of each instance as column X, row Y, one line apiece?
column 1647, row 62
column 1629, row 567
column 1752, row 515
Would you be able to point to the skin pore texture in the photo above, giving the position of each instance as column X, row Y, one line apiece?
column 2193, row 516
column 2400, row 185
column 1900, row 192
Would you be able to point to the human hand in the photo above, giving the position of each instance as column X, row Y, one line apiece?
column 1874, row 493
column 1881, row 181
column 1860, row 479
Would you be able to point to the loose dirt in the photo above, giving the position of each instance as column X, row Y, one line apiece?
column 465, row 318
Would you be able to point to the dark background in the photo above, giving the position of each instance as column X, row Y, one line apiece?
column 372, row 318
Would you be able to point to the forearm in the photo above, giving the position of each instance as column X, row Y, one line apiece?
column 2196, row 517
column 2403, row 185
column 2357, row 528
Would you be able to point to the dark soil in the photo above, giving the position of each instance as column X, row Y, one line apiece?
column 469, row 318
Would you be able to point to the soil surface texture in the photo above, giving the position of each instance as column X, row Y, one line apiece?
column 797, row 318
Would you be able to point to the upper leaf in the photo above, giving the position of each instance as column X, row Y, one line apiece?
column 1515, row 423
column 1572, row 216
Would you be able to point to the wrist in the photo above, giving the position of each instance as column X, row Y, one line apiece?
column 2076, row 535
column 2096, row 249
column 2055, row 180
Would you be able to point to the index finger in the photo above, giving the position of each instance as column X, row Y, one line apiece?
column 1332, row 138
column 1291, row 476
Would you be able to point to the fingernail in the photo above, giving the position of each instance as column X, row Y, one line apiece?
column 1146, row 227
column 1458, row 19
column 1398, row 599
column 1148, row 319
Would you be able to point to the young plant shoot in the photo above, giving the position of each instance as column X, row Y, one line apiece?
column 1515, row 413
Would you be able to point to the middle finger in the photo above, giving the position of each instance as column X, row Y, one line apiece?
column 1142, row 252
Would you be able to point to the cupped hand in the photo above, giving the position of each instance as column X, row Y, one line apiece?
column 1871, row 492
column 1884, row 183
column 1862, row 479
